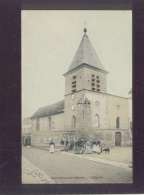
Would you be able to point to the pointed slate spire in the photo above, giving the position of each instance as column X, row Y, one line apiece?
column 86, row 54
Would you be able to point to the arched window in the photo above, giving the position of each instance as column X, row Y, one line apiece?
column 118, row 122
column 49, row 120
column 73, row 122
column 37, row 124
column 97, row 121
column 97, row 106
column 97, row 103
column 117, row 107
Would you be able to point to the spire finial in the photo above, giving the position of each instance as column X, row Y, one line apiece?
column 85, row 29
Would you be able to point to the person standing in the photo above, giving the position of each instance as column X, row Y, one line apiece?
column 52, row 147
column 98, row 148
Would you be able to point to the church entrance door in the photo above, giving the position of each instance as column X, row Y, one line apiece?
column 118, row 139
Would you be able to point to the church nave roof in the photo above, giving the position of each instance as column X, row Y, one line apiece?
column 49, row 110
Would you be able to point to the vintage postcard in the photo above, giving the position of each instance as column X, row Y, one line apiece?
column 77, row 96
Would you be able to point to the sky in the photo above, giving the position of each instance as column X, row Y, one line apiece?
column 50, row 39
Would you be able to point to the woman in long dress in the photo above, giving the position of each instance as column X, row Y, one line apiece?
column 98, row 149
column 94, row 148
column 52, row 147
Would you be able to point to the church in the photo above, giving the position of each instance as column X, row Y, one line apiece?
column 88, row 110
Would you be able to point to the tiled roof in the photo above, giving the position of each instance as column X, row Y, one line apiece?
column 49, row 110
column 86, row 54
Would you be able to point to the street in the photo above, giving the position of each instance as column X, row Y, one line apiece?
column 64, row 168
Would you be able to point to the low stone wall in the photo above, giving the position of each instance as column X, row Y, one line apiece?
column 106, row 136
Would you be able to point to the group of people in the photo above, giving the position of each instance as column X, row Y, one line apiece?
column 80, row 146
column 91, row 147
column 97, row 148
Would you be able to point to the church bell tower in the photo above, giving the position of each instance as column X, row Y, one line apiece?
column 85, row 74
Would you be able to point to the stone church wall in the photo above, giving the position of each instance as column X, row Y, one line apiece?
column 98, row 108
column 108, row 136
column 71, row 109
column 42, row 135
column 57, row 122
column 117, row 107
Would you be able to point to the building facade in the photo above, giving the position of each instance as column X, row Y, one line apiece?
column 26, row 131
column 87, row 109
